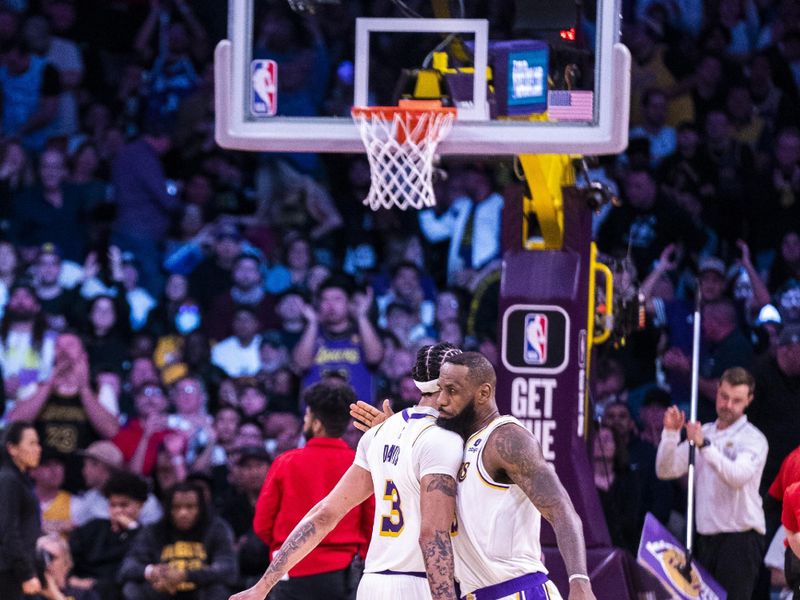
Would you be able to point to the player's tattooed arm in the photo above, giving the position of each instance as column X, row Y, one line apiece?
column 437, row 505
column 295, row 544
column 354, row 487
column 513, row 453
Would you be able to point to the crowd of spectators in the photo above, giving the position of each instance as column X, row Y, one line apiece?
column 164, row 302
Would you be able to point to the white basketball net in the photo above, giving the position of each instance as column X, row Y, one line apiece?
column 402, row 172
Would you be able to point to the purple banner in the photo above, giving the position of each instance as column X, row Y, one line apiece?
column 665, row 557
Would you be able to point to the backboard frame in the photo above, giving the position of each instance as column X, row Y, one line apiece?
column 607, row 135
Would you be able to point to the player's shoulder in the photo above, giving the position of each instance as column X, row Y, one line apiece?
column 433, row 433
column 507, row 435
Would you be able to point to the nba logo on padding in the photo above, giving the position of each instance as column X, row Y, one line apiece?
column 264, row 99
column 535, row 351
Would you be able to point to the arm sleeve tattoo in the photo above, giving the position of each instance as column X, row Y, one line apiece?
column 517, row 452
column 438, row 497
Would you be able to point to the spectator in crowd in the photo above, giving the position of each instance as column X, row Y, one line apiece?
column 239, row 354
column 214, row 273
column 101, row 461
column 290, row 312
column 777, row 402
column 108, row 330
column 189, row 551
column 65, row 56
column 173, row 75
column 66, row 410
column 239, row 511
column 58, row 302
column 26, row 350
column 141, row 302
column 16, row 173
column 145, row 207
column 56, row 504
column 339, row 338
column 99, row 545
column 141, row 436
column 299, row 479
column 54, row 210
column 191, row 417
column 471, row 223
column 655, row 496
column 55, row 554
column 725, row 346
column 19, row 512
column 730, row 460
column 662, row 137
column 644, row 223
column 30, row 96
column 247, row 291
column 620, row 488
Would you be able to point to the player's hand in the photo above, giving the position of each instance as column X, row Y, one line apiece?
column 257, row 592
column 694, row 433
column 367, row 416
column 580, row 589
column 674, row 419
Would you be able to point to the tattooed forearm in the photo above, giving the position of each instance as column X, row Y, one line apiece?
column 442, row 483
column 517, row 453
column 437, row 552
column 300, row 542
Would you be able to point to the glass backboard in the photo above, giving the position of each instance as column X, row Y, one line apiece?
column 526, row 76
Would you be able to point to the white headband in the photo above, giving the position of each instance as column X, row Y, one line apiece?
column 427, row 387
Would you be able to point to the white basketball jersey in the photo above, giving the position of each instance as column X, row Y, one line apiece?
column 498, row 527
column 398, row 454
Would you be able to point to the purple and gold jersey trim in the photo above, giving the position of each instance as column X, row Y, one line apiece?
column 532, row 586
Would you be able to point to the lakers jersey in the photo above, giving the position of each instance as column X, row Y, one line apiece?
column 398, row 454
column 498, row 527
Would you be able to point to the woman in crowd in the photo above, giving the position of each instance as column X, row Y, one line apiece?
column 19, row 513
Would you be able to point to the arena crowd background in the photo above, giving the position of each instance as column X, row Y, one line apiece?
column 176, row 279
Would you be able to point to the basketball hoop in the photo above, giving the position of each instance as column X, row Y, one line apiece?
column 401, row 142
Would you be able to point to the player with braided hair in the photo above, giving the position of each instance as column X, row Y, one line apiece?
column 410, row 465
column 425, row 374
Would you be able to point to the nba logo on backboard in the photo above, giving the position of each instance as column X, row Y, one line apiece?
column 535, row 351
column 264, row 98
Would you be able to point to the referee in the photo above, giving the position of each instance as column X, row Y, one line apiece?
column 730, row 459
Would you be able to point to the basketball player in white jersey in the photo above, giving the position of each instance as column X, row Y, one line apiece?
column 504, row 488
column 410, row 465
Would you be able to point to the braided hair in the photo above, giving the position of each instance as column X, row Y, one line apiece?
column 430, row 359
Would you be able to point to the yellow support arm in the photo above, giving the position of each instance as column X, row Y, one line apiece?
column 545, row 174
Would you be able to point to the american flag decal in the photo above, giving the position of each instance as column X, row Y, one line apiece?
column 563, row 105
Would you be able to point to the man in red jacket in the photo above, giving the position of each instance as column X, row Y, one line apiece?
column 297, row 480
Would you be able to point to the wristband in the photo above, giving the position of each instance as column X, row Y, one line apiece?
column 579, row 576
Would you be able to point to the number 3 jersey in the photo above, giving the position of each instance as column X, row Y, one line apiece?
column 498, row 526
column 398, row 454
